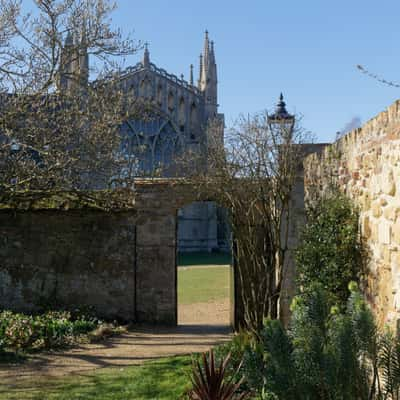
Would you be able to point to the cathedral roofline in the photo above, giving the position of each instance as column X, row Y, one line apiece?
column 139, row 67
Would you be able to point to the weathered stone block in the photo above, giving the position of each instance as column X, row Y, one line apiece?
column 396, row 231
column 388, row 183
column 390, row 212
column 374, row 232
column 376, row 209
column 366, row 227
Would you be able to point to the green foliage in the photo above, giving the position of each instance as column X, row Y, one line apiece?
column 331, row 251
column 325, row 355
column 20, row 332
column 236, row 348
column 389, row 361
column 268, row 364
column 210, row 381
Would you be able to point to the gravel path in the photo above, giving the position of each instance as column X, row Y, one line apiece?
column 134, row 347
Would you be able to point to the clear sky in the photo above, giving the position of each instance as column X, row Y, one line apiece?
column 307, row 49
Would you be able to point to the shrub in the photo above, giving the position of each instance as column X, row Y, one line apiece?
column 331, row 251
column 19, row 332
column 268, row 365
column 53, row 329
column 236, row 349
column 326, row 354
column 4, row 318
column 210, row 381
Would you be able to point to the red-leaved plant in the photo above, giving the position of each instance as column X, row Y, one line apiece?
column 210, row 383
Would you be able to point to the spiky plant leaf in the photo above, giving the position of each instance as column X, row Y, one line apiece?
column 210, row 383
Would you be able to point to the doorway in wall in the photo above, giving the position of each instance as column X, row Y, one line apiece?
column 204, row 266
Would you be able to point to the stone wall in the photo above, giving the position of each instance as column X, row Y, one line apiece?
column 58, row 253
column 365, row 164
column 68, row 259
column 65, row 252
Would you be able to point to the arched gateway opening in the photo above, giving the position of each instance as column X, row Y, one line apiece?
column 204, row 266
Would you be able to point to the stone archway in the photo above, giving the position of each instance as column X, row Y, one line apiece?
column 121, row 262
column 158, row 202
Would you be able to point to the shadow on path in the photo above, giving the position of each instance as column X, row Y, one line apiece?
column 139, row 344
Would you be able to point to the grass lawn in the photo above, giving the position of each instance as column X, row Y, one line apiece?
column 197, row 285
column 164, row 379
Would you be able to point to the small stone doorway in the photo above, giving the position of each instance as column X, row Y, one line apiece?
column 204, row 266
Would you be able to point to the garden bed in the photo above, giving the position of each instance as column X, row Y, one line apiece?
column 21, row 334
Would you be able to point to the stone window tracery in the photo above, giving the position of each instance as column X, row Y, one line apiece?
column 171, row 102
column 159, row 95
column 151, row 145
column 182, row 112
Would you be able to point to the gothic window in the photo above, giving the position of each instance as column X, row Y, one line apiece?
column 193, row 120
column 131, row 90
column 142, row 88
column 160, row 95
column 171, row 102
column 151, row 146
column 182, row 111
column 145, row 88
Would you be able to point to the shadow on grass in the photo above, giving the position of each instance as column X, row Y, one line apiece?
column 163, row 379
column 203, row 258
column 8, row 357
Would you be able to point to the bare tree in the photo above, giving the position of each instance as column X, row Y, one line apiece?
column 58, row 130
column 377, row 77
column 253, row 176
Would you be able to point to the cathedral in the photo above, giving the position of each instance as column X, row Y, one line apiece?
column 182, row 111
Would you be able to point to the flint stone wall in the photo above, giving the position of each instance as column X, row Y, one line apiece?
column 365, row 164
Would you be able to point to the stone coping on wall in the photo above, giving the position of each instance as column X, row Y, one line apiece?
column 102, row 200
column 382, row 127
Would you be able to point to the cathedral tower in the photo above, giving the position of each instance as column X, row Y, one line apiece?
column 208, row 81
column 74, row 63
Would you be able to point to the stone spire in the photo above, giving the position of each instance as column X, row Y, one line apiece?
column 191, row 75
column 200, row 72
column 210, row 83
column 205, row 64
column 206, row 51
column 212, row 69
column 67, row 64
column 83, row 60
column 146, row 56
column 208, row 77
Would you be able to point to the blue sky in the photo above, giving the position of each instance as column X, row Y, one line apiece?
column 308, row 49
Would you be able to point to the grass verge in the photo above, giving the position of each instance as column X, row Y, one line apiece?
column 164, row 379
